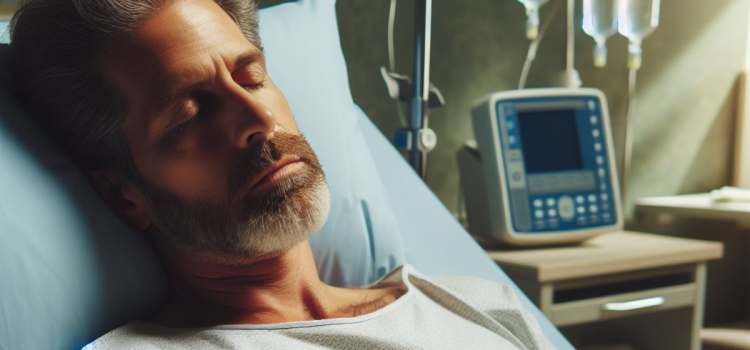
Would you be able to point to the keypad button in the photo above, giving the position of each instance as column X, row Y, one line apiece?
column 593, row 209
column 566, row 208
column 539, row 214
column 595, row 133
column 552, row 212
column 550, row 202
column 538, row 203
column 599, row 160
column 602, row 172
column 598, row 147
column 511, row 125
column 512, row 140
column 580, row 199
column 594, row 120
column 581, row 210
column 604, row 196
column 592, row 198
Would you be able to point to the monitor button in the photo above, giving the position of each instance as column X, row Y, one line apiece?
column 566, row 208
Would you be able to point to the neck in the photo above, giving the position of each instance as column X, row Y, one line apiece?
column 211, row 291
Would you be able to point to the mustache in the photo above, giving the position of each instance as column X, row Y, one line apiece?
column 267, row 153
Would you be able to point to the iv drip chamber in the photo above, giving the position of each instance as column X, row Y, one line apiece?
column 532, row 17
column 637, row 19
column 600, row 23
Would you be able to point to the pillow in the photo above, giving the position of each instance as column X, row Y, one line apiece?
column 71, row 271
column 69, row 268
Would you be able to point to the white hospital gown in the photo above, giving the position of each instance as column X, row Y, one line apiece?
column 434, row 313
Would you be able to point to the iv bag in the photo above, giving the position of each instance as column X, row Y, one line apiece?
column 600, row 22
column 532, row 17
column 637, row 20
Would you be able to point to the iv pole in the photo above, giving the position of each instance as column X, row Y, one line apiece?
column 416, row 138
column 418, row 108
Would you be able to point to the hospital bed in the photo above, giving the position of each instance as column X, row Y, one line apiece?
column 70, row 270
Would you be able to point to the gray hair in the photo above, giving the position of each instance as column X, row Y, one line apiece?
column 55, row 71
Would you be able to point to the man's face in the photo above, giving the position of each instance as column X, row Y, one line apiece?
column 206, row 128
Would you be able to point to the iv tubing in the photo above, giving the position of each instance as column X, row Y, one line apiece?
column 392, row 56
column 571, row 36
column 629, row 119
column 531, row 54
column 571, row 78
column 391, row 20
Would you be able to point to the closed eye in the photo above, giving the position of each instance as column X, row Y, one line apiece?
column 257, row 86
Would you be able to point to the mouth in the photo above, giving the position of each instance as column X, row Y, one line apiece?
column 278, row 172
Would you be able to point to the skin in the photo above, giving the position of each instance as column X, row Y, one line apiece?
column 195, row 42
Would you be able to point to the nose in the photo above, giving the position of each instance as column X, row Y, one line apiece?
column 254, row 120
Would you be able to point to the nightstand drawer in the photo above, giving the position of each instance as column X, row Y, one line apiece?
column 615, row 306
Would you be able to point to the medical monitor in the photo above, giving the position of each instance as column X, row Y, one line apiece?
column 547, row 164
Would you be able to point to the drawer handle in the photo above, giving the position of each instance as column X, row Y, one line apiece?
column 634, row 304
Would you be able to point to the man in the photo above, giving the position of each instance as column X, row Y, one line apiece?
column 166, row 105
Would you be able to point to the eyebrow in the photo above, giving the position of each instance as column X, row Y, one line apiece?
column 180, row 92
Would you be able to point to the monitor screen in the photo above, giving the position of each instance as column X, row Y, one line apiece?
column 550, row 141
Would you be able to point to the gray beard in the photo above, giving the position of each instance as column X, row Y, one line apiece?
column 243, row 226
column 202, row 228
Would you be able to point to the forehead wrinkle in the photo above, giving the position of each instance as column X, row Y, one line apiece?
column 182, row 48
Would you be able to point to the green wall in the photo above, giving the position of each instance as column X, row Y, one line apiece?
column 683, row 131
column 686, row 88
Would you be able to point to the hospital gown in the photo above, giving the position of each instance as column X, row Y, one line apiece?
column 434, row 313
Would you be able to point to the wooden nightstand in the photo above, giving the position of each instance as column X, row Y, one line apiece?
column 624, row 287
column 655, row 211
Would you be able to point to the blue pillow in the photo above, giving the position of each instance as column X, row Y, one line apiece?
column 71, row 271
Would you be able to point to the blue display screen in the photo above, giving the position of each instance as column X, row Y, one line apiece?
column 550, row 141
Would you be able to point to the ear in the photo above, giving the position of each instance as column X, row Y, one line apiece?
column 122, row 197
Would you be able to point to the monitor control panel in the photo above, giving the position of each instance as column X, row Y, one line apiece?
column 553, row 152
